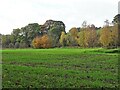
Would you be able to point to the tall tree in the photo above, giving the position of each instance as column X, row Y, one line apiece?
column 28, row 33
column 54, row 31
column 81, row 39
column 90, row 36
column 105, row 36
column 73, row 36
column 5, row 41
column 116, row 19
column 82, row 35
column 115, row 35
column 62, row 39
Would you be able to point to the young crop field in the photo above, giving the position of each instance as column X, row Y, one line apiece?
column 60, row 68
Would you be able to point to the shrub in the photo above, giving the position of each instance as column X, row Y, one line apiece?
column 11, row 45
column 16, row 45
column 41, row 42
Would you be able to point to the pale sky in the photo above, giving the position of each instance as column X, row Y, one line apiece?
column 18, row 13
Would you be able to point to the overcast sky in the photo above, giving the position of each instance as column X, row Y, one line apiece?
column 18, row 13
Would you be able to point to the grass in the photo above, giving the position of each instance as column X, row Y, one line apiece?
column 60, row 68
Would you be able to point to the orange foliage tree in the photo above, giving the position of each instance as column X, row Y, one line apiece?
column 41, row 42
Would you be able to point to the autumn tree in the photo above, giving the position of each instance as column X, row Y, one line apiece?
column 81, row 35
column 81, row 39
column 87, row 37
column 115, row 35
column 72, row 36
column 41, row 42
column 90, row 36
column 116, row 28
column 73, row 31
column 62, row 39
column 105, row 36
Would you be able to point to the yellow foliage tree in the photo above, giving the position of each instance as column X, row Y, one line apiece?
column 62, row 39
column 90, row 37
column 74, row 32
column 87, row 37
column 73, row 36
column 106, row 36
column 81, row 39
column 115, row 34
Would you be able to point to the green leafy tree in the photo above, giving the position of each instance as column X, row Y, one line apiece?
column 55, row 31
column 5, row 41
column 28, row 33
column 15, row 35
column 116, row 19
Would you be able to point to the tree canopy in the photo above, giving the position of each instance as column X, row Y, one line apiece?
column 52, row 34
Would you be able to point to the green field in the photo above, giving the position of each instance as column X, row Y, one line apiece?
column 60, row 68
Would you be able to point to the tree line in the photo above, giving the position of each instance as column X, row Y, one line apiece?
column 52, row 34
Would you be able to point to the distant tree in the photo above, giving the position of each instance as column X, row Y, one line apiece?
column 87, row 37
column 26, row 34
column 107, row 23
column 81, row 39
column 115, row 36
column 84, row 24
column 11, row 45
column 116, row 19
column 62, row 39
column 46, row 42
column 12, row 39
column 30, row 32
column 36, row 42
column 54, row 34
column 54, row 29
column 5, row 41
column 23, row 45
column 72, row 36
column 105, row 36
column 82, row 35
column 41, row 42
column 16, row 45
column 98, row 43
column 68, row 40
column 116, row 22
column 74, row 31
column 15, row 34
column 90, row 36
